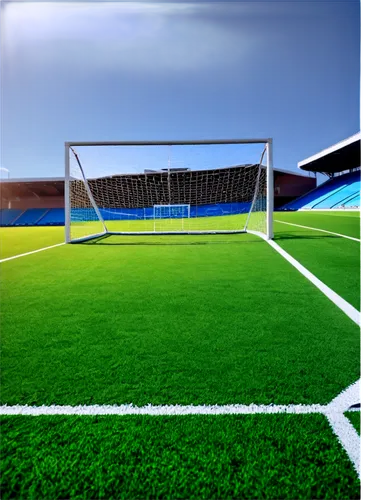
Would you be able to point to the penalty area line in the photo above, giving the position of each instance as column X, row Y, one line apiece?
column 320, row 230
column 129, row 409
column 334, row 297
column 30, row 253
column 341, row 425
column 334, row 412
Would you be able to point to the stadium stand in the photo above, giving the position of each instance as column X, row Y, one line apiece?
column 342, row 163
column 53, row 217
column 227, row 187
column 30, row 217
column 110, row 213
column 334, row 193
column 8, row 216
column 339, row 199
column 41, row 201
column 190, row 187
column 353, row 202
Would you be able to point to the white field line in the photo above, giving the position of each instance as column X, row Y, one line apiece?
column 320, row 230
column 129, row 409
column 334, row 412
column 29, row 253
column 335, row 210
column 347, row 308
column 342, row 426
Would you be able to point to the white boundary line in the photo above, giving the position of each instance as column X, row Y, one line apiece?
column 347, row 308
column 334, row 412
column 336, row 210
column 320, row 230
column 29, row 253
column 342, row 426
column 129, row 409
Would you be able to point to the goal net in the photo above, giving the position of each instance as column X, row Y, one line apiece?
column 171, row 217
column 168, row 188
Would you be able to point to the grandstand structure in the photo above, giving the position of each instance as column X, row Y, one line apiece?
column 171, row 187
column 40, row 202
column 342, row 191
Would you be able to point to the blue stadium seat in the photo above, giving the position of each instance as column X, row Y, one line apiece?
column 8, row 215
column 353, row 202
column 330, row 194
column 54, row 217
column 30, row 217
column 337, row 199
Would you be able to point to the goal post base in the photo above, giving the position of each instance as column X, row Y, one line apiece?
column 87, row 238
column 260, row 234
column 162, row 233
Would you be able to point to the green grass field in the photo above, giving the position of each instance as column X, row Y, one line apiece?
column 355, row 418
column 178, row 320
column 277, row 456
column 226, row 223
column 342, row 222
column 334, row 260
column 18, row 240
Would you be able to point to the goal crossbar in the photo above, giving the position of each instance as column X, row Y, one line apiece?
column 168, row 143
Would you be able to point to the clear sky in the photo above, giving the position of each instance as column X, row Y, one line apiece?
column 94, row 71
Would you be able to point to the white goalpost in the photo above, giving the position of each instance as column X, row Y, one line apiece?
column 134, row 188
column 173, row 215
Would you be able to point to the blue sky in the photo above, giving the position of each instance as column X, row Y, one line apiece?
column 90, row 71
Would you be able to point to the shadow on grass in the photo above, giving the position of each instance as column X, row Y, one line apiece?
column 106, row 240
column 294, row 236
column 112, row 240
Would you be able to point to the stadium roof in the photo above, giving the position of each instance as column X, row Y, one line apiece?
column 33, row 179
column 27, row 187
column 344, row 155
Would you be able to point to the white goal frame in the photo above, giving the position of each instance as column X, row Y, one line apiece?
column 180, row 205
column 269, row 176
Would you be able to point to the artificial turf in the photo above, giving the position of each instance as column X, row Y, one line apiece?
column 341, row 222
column 237, row 222
column 200, row 320
column 259, row 456
column 355, row 418
column 176, row 320
column 336, row 261
column 18, row 240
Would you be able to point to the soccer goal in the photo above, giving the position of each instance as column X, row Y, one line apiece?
column 167, row 217
column 177, row 187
